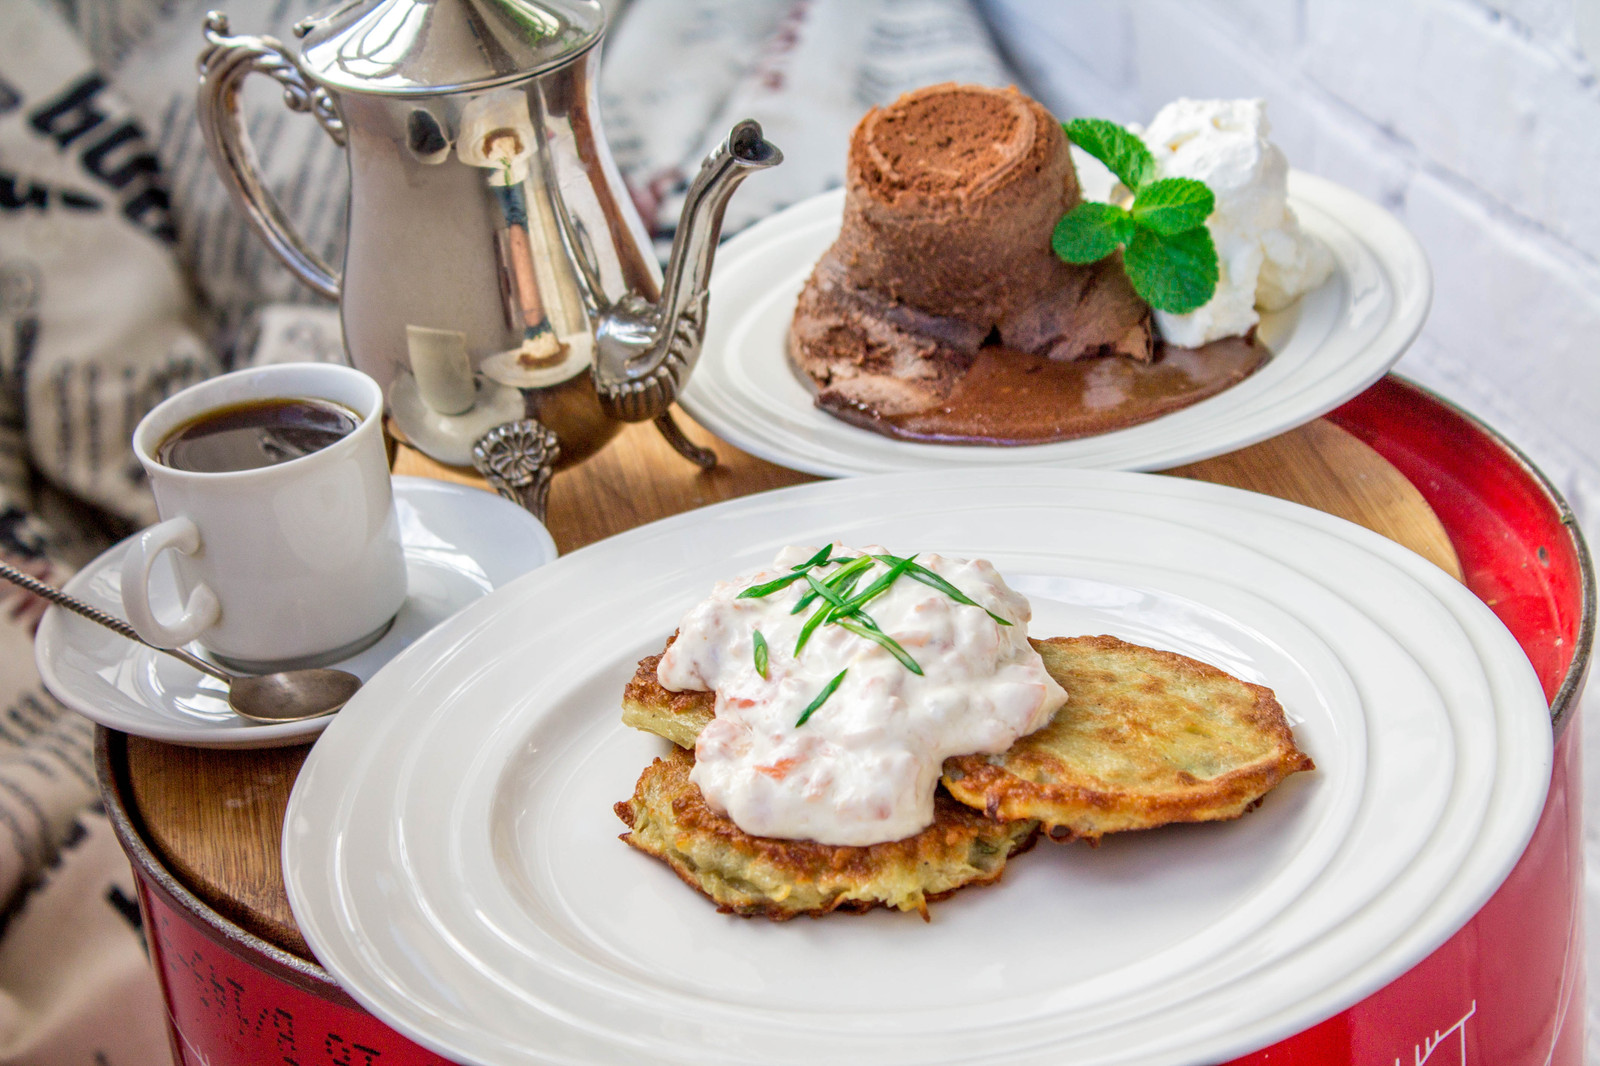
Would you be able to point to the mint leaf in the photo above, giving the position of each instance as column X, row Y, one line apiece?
column 1090, row 232
column 1122, row 152
column 1172, row 205
column 1172, row 272
column 1167, row 252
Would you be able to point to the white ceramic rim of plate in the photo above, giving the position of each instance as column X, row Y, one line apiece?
column 1494, row 835
column 745, row 392
column 52, row 643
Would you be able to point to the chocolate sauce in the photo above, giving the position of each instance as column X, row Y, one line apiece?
column 1009, row 397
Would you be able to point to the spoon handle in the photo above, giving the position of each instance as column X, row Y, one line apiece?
column 99, row 617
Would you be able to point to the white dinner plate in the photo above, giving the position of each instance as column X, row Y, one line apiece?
column 450, row 850
column 1327, row 347
column 460, row 544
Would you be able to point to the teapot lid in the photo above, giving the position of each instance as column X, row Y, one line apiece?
column 414, row 47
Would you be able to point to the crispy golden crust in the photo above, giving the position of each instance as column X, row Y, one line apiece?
column 678, row 716
column 1146, row 738
column 766, row 877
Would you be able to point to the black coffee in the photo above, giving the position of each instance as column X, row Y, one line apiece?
column 260, row 433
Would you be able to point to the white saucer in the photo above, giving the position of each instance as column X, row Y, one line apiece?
column 460, row 543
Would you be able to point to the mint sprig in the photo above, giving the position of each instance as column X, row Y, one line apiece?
column 1091, row 231
column 1167, row 255
column 1123, row 153
column 1173, row 205
column 1176, row 272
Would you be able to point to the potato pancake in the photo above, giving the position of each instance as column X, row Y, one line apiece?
column 678, row 716
column 779, row 879
column 1146, row 738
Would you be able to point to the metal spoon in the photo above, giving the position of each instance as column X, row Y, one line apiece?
column 287, row 696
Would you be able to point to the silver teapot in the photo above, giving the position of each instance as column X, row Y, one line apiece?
column 497, row 281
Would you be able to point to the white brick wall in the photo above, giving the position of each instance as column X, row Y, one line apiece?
column 1477, row 122
column 1473, row 97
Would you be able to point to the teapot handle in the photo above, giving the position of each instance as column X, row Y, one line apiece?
column 224, row 64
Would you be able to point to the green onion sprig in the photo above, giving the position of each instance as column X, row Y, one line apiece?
column 840, row 609
column 917, row 572
column 878, row 587
column 880, row 638
column 835, row 580
column 756, row 592
column 816, row 560
column 825, row 614
column 760, row 654
column 822, row 697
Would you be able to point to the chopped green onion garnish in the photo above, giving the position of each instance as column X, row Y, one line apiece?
column 824, row 591
column 842, row 605
column 882, row 639
column 761, row 654
column 822, row 697
column 755, row 592
column 835, row 580
column 849, row 570
column 828, row 613
column 816, row 560
column 819, row 616
column 878, row 587
column 921, row 573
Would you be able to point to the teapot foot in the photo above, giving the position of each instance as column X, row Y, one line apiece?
column 517, row 459
column 704, row 458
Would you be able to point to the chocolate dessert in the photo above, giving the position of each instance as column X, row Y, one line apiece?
column 943, row 264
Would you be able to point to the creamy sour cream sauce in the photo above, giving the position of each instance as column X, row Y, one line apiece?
column 863, row 767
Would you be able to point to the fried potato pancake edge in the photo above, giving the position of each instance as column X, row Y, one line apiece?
column 1146, row 738
column 780, row 879
column 678, row 716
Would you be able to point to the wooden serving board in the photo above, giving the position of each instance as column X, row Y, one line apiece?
column 215, row 817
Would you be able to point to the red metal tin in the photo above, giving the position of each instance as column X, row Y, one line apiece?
column 1505, row 990
column 232, row 998
column 1508, row 988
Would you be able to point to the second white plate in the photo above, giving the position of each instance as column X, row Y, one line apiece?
column 1327, row 347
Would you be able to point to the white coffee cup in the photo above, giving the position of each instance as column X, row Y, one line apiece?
column 294, row 564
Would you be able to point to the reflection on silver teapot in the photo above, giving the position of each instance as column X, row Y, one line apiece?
column 497, row 281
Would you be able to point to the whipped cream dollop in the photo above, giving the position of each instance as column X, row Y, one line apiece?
column 863, row 767
column 1265, row 260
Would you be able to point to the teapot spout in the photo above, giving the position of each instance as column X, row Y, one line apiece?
column 644, row 352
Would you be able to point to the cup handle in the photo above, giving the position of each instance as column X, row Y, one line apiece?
column 199, row 614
